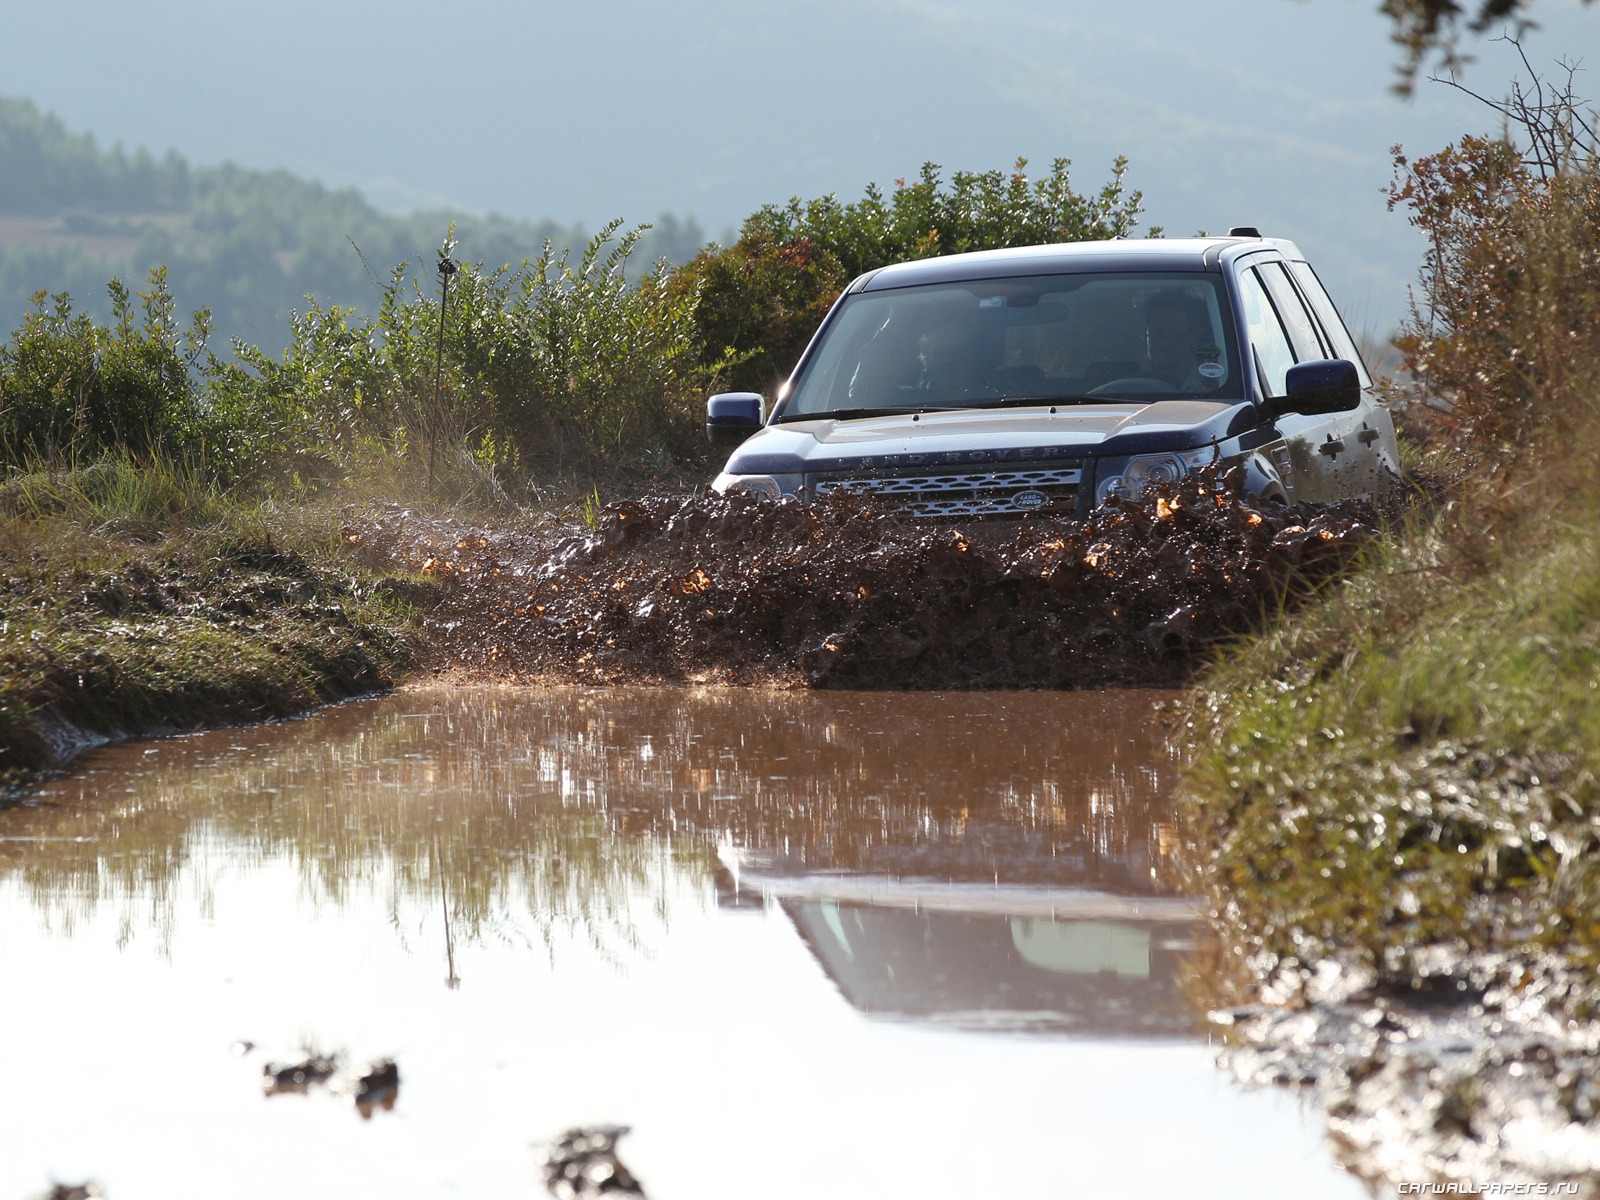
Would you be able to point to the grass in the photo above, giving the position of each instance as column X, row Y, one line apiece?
column 1412, row 765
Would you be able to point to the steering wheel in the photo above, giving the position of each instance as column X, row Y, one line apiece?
column 1133, row 383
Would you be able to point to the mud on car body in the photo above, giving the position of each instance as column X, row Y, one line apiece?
column 1048, row 378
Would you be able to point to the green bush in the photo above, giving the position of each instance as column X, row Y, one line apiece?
column 312, row 414
column 549, row 367
column 985, row 210
column 72, row 390
column 760, row 302
column 562, row 366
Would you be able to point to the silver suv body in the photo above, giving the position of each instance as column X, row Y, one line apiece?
column 1048, row 378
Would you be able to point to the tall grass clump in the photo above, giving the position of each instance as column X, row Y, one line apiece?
column 1411, row 768
column 116, row 495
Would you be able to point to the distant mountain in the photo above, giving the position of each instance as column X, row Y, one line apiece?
column 1276, row 113
column 248, row 244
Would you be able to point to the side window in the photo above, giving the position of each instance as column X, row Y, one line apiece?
column 1296, row 320
column 1332, row 326
column 1267, row 338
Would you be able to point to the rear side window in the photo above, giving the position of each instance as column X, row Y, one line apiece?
column 1297, row 321
column 1267, row 339
column 1333, row 326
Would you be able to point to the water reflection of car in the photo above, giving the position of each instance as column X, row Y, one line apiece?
column 1022, row 958
column 1046, row 379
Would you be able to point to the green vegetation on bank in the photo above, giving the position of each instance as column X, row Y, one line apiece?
column 496, row 381
column 138, row 599
column 1411, row 767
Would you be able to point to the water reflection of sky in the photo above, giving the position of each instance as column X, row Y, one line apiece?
column 563, row 856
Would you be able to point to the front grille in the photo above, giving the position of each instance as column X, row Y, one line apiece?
column 966, row 493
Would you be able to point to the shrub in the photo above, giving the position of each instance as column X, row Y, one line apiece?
column 760, row 302
column 978, row 211
column 1506, row 306
column 72, row 390
column 546, row 367
column 309, row 415
column 569, row 366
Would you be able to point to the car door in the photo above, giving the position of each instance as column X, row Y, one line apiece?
column 1319, row 458
column 1380, row 462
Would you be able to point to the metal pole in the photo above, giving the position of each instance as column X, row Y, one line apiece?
column 447, row 268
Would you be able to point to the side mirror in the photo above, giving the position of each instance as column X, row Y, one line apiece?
column 733, row 416
column 1324, row 385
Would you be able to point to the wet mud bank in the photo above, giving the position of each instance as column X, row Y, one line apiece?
column 1392, row 809
column 1439, row 1064
column 841, row 594
column 1466, row 1079
column 108, row 641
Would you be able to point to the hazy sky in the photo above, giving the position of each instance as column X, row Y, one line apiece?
column 1269, row 112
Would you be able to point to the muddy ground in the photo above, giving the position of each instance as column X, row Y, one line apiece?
column 1465, row 1081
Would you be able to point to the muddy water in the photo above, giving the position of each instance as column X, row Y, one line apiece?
column 804, row 944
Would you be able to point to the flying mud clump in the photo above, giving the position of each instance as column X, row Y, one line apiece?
column 844, row 594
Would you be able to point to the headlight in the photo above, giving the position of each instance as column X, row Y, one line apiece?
column 750, row 485
column 1150, row 470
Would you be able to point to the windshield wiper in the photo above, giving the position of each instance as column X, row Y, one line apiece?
column 857, row 414
column 1026, row 402
column 852, row 414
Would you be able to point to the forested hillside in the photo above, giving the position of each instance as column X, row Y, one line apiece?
column 249, row 244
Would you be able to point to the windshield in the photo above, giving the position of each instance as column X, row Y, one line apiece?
column 1083, row 338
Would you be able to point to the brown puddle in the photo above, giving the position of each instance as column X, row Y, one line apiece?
column 841, row 594
column 803, row 943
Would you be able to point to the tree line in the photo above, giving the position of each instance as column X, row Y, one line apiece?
column 249, row 245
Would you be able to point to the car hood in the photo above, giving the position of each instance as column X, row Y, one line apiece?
column 988, row 435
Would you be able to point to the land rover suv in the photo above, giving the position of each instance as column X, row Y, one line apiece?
column 1046, row 379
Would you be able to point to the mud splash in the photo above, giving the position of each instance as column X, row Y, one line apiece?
column 842, row 594
column 367, row 1086
column 582, row 1164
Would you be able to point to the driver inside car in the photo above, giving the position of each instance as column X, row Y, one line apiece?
column 1180, row 349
